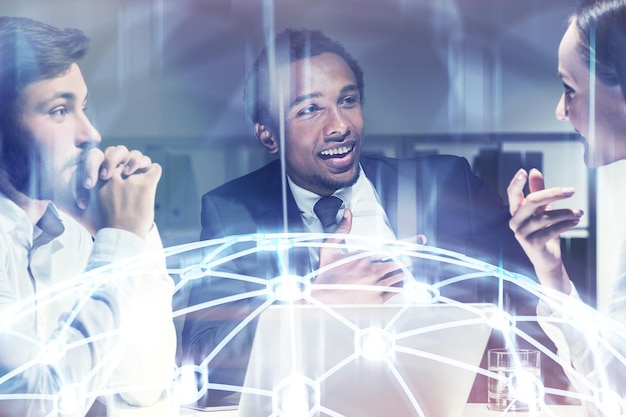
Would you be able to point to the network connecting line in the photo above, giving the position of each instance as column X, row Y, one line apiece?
column 212, row 262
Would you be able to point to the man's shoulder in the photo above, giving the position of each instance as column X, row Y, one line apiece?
column 425, row 161
column 253, row 182
column 10, row 214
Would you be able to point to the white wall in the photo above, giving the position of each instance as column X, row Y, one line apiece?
column 172, row 69
column 611, row 226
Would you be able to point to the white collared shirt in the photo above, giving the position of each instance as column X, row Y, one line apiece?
column 36, row 264
column 368, row 216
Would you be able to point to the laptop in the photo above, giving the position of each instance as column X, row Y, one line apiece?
column 365, row 360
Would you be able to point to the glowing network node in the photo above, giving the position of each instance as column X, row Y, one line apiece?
column 373, row 343
column 283, row 244
column 289, row 288
column 193, row 272
column 296, row 396
column 185, row 387
column 52, row 352
column 499, row 320
column 69, row 399
column 526, row 387
column 420, row 292
column 269, row 244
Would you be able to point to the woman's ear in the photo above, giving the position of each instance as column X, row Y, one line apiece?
column 266, row 137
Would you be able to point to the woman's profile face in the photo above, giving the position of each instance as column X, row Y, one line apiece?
column 605, row 109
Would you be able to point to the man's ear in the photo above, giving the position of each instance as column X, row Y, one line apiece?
column 266, row 137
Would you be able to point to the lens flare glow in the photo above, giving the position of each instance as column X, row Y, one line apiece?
column 69, row 399
column 289, row 288
column 295, row 397
column 375, row 344
column 527, row 388
column 420, row 292
column 185, row 387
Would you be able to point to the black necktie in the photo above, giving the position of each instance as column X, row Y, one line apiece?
column 326, row 210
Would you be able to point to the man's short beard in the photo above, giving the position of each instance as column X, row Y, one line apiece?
column 331, row 184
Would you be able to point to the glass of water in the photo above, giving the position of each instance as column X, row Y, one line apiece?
column 514, row 382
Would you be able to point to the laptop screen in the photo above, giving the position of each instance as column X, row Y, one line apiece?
column 365, row 360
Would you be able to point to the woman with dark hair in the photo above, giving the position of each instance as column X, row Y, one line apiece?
column 592, row 66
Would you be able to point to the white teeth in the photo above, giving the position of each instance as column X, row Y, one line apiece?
column 337, row 151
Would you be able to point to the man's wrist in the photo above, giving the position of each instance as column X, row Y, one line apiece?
column 111, row 245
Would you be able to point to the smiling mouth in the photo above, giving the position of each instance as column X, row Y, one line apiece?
column 337, row 152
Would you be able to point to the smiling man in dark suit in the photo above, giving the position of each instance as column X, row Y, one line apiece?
column 306, row 104
column 321, row 109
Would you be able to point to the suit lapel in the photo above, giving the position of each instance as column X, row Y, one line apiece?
column 387, row 177
column 271, row 218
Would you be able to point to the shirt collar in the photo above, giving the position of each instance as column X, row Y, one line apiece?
column 14, row 221
column 49, row 227
column 305, row 199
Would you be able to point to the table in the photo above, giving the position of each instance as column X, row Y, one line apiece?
column 165, row 409
column 480, row 410
column 471, row 410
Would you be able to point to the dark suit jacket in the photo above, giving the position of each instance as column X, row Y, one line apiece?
column 440, row 197
column 436, row 195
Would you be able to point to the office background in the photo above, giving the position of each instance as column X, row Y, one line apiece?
column 477, row 78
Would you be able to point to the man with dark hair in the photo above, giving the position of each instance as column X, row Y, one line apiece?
column 305, row 98
column 68, row 207
column 290, row 45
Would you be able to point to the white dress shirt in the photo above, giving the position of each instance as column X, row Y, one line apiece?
column 590, row 346
column 368, row 216
column 62, row 333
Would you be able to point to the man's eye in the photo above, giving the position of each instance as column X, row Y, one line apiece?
column 58, row 112
column 569, row 91
column 308, row 110
column 350, row 101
